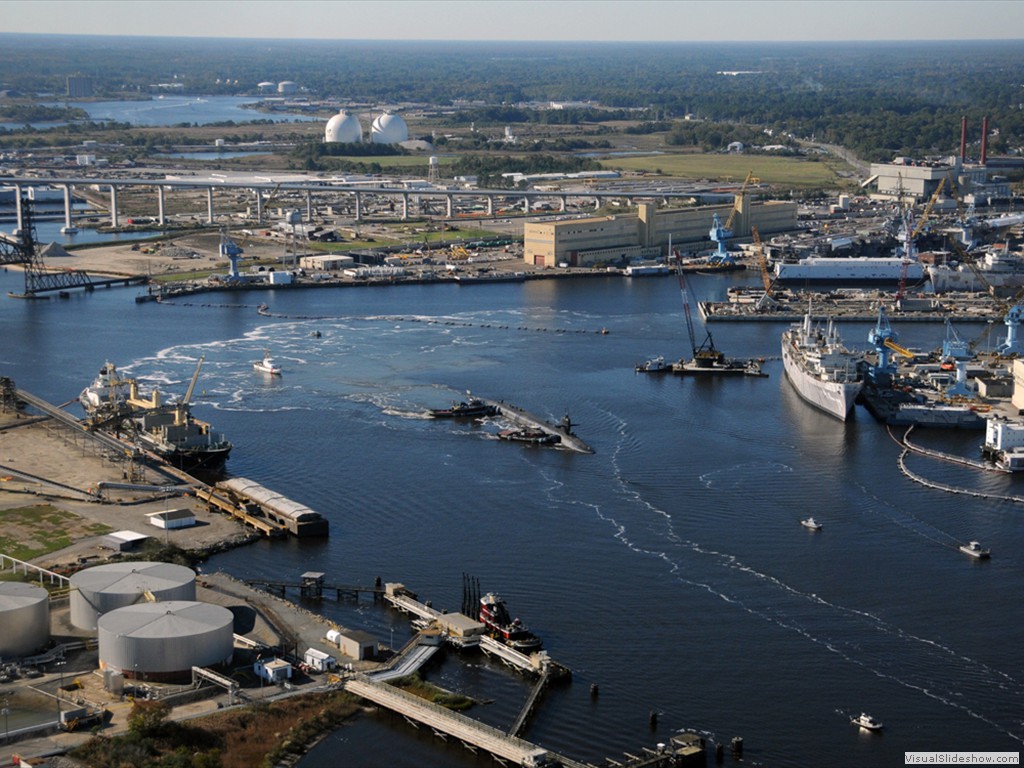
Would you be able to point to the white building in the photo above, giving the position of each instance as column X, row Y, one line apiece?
column 272, row 670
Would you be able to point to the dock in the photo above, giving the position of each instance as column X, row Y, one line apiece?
column 563, row 431
column 859, row 306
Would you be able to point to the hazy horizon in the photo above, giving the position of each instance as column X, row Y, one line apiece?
column 526, row 20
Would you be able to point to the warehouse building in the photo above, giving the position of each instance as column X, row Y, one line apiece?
column 646, row 234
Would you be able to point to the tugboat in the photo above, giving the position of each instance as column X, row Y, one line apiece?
column 501, row 626
column 529, row 435
column 654, row 365
column 867, row 722
column 472, row 408
column 267, row 365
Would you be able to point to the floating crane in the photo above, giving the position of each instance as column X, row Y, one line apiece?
column 705, row 355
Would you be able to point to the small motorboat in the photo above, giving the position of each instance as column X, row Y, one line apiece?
column 974, row 549
column 811, row 524
column 654, row 365
column 867, row 722
column 267, row 365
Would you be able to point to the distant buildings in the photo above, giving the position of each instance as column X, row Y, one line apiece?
column 583, row 242
column 79, row 87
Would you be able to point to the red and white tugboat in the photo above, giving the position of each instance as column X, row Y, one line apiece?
column 501, row 626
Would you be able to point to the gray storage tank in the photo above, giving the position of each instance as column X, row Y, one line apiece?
column 99, row 590
column 163, row 641
column 25, row 618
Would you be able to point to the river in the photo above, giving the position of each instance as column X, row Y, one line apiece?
column 669, row 568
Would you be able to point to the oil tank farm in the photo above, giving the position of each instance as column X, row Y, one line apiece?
column 297, row 518
column 163, row 641
column 25, row 618
column 99, row 590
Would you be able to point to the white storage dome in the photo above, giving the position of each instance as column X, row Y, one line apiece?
column 343, row 128
column 389, row 129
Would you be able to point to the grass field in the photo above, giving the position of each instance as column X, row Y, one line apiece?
column 29, row 532
column 779, row 171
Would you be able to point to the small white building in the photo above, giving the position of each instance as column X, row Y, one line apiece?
column 272, row 670
column 319, row 661
column 326, row 262
column 123, row 541
column 353, row 643
column 170, row 519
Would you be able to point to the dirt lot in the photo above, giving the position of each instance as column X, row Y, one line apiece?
column 187, row 253
column 66, row 516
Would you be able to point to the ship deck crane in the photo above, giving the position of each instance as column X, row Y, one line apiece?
column 704, row 355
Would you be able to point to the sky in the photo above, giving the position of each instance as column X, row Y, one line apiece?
column 547, row 20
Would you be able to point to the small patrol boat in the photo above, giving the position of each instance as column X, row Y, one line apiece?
column 867, row 722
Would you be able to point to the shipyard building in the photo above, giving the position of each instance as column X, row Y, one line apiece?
column 646, row 234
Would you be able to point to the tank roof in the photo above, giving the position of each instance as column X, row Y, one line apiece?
column 132, row 578
column 17, row 594
column 174, row 618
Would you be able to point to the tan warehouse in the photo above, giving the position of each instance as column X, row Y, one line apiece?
column 646, row 233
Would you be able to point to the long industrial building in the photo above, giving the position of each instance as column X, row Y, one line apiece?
column 646, row 234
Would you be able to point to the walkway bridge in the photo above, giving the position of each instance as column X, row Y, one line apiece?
column 475, row 735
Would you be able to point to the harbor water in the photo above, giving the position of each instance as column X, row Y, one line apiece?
column 669, row 568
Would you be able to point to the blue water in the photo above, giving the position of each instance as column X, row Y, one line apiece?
column 670, row 567
column 172, row 110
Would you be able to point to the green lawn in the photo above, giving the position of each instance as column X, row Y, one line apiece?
column 778, row 171
column 28, row 532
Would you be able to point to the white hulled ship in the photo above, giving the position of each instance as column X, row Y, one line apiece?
column 849, row 269
column 997, row 267
column 824, row 372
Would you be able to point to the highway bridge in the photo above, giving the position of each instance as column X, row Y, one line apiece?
column 264, row 189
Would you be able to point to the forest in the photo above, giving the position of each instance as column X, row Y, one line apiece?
column 877, row 99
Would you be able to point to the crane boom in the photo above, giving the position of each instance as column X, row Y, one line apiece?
column 928, row 207
column 746, row 182
column 192, row 384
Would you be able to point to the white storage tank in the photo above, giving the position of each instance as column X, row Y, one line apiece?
column 96, row 591
column 389, row 129
column 163, row 641
column 287, row 87
column 343, row 128
column 25, row 618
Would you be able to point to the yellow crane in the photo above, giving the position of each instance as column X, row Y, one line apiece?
column 897, row 348
column 746, row 183
column 928, row 208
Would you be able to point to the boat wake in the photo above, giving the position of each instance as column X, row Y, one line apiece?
column 859, row 637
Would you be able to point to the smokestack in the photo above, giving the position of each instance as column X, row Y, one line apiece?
column 984, row 139
column 963, row 138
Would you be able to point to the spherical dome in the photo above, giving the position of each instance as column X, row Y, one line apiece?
column 344, row 129
column 389, row 129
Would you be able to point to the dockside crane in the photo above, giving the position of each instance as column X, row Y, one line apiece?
column 766, row 278
column 722, row 233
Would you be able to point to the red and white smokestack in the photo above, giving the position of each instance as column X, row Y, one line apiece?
column 984, row 139
column 963, row 139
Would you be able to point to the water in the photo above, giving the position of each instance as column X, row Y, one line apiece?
column 172, row 110
column 670, row 567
